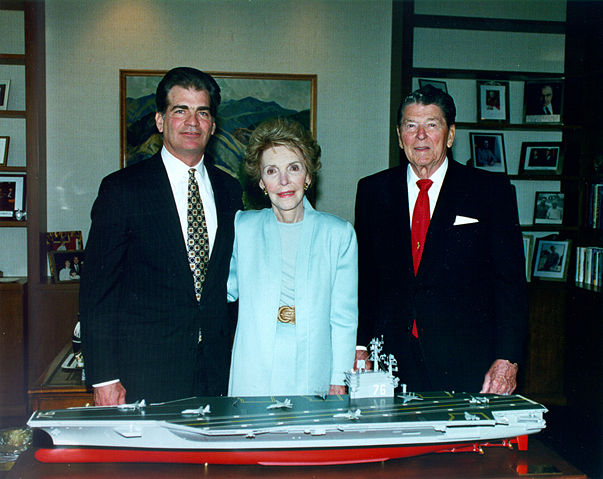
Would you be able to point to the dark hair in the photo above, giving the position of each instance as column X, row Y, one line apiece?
column 187, row 77
column 430, row 95
column 281, row 132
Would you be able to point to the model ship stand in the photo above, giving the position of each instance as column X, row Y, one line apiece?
column 371, row 424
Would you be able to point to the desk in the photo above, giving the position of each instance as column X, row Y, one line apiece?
column 495, row 463
column 59, row 388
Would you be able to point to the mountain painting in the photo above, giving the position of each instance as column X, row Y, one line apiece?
column 247, row 100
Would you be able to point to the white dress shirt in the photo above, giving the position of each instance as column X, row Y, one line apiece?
column 177, row 172
column 433, row 192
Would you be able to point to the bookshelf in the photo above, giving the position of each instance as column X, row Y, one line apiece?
column 461, row 49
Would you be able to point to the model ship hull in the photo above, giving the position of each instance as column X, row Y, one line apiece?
column 309, row 430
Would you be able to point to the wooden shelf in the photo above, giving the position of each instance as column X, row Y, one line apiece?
column 487, row 24
column 12, row 169
column 514, row 126
column 535, row 177
column 12, row 114
column 548, row 227
column 460, row 74
column 12, row 223
column 589, row 287
column 12, row 59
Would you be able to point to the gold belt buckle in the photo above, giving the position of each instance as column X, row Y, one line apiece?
column 286, row 314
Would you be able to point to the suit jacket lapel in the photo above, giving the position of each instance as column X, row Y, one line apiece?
column 443, row 218
column 168, row 222
column 222, row 200
column 400, row 215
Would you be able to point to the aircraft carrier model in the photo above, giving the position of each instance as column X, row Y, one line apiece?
column 293, row 430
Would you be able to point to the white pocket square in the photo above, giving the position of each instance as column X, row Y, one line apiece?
column 464, row 220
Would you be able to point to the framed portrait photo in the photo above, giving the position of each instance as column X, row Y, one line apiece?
column 528, row 248
column 552, row 259
column 4, row 142
column 434, row 83
column 541, row 157
column 492, row 101
column 548, row 207
column 4, row 86
column 66, row 265
column 12, row 194
column 543, row 101
column 488, row 151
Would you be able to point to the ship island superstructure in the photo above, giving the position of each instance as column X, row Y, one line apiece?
column 293, row 430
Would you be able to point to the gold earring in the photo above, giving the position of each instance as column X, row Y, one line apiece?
column 265, row 192
column 306, row 186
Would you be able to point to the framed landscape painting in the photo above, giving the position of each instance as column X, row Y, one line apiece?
column 247, row 100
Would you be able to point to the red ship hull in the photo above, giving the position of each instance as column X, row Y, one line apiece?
column 271, row 457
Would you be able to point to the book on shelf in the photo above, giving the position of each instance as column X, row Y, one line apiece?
column 589, row 265
column 595, row 206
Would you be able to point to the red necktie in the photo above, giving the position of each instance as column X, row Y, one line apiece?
column 420, row 222
column 418, row 230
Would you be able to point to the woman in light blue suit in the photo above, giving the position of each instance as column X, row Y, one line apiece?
column 294, row 271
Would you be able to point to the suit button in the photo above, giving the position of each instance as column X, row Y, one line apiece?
column 200, row 338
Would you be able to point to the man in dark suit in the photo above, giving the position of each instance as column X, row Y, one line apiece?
column 147, row 330
column 455, row 314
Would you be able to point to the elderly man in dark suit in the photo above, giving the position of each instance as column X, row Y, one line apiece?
column 441, row 265
column 153, row 307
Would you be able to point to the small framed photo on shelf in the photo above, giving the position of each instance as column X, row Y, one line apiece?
column 64, row 240
column 541, row 157
column 12, row 194
column 548, row 207
column 66, row 266
column 4, row 86
column 4, row 142
column 528, row 247
column 492, row 101
column 543, row 101
column 552, row 259
column 434, row 83
column 488, row 151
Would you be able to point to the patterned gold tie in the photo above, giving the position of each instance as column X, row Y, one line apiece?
column 197, row 238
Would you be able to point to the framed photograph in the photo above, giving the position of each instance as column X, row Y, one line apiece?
column 541, row 157
column 552, row 259
column 435, row 83
column 64, row 240
column 4, row 86
column 488, row 151
column 548, row 207
column 492, row 101
column 66, row 265
column 247, row 100
column 528, row 248
column 543, row 101
column 4, row 142
column 12, row 194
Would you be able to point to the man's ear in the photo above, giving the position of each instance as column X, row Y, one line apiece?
column 159, row 121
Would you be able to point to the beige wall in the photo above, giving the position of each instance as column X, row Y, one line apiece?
column 346, row 43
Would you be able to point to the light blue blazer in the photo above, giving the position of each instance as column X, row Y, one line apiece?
column 326, row 301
